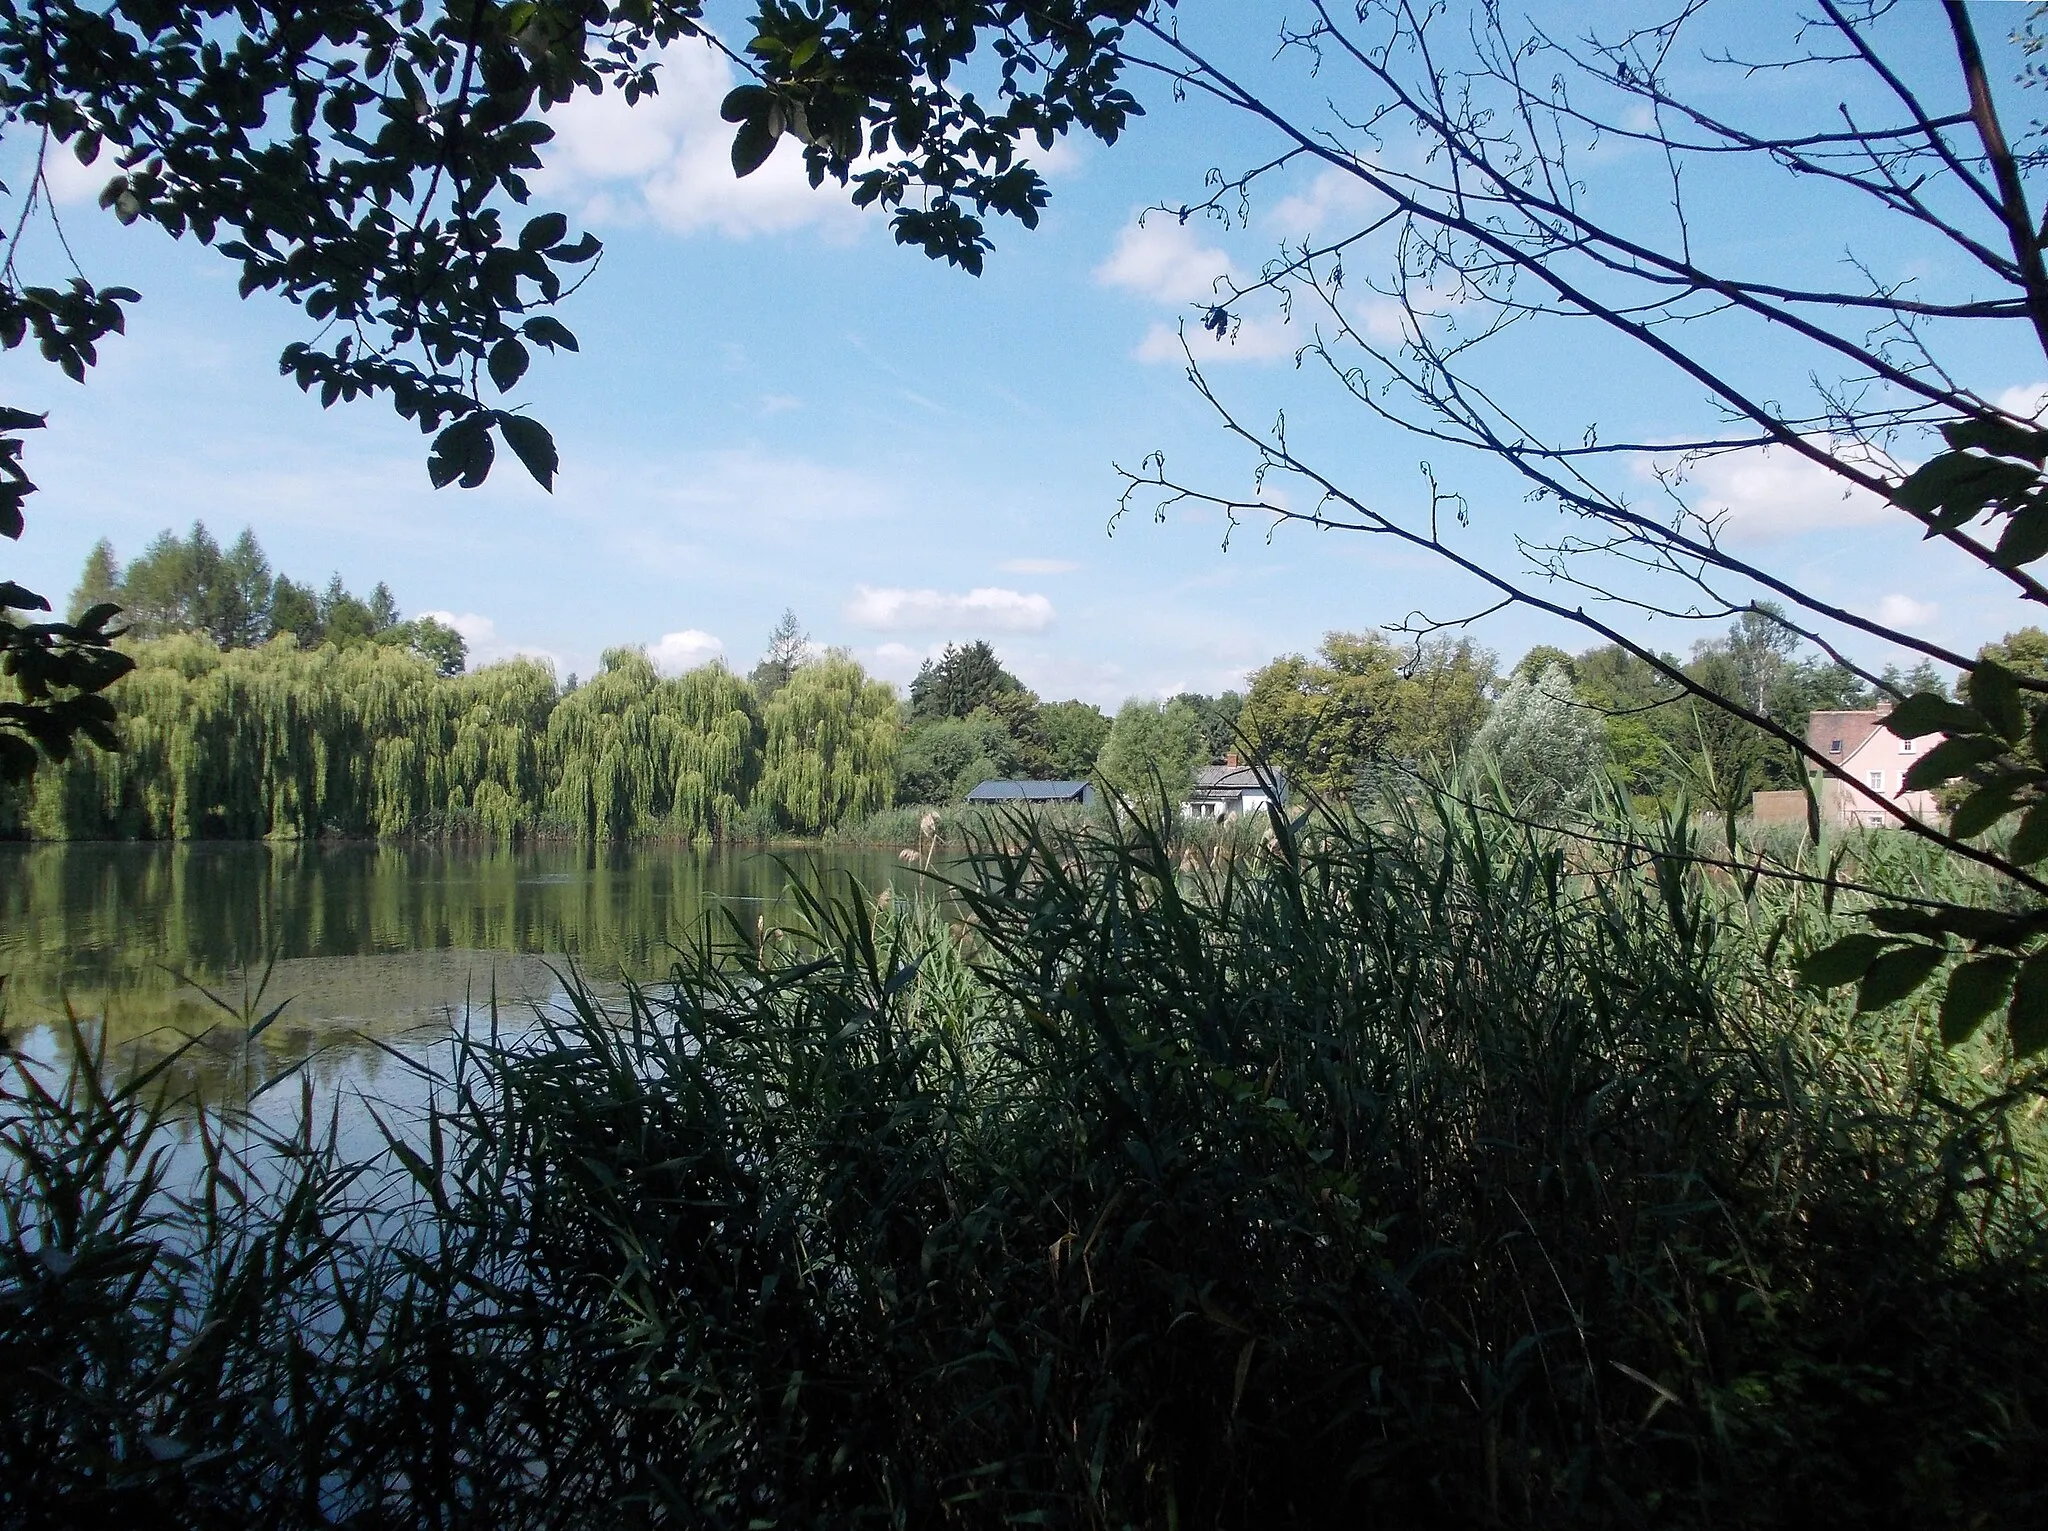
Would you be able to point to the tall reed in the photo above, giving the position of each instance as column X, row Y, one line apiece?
column 1436, row 1171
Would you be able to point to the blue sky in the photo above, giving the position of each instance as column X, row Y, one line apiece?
column 776, row 406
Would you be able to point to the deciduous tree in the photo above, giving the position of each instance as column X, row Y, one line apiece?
column 832, row 743
column 1075, row 732
column 1364, row 705
column 2023, row 651
column 945, row 759
column 1152, row 751
column 1543, row 745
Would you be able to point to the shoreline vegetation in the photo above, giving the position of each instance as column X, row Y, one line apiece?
column 1468, row 1172
column 899, row 828
column 367, row 736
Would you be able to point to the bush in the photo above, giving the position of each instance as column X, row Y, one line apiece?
column 1426, row 1174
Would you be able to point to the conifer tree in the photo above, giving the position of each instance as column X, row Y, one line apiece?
column 964, row 678
column 787, row 646
column 99, row 583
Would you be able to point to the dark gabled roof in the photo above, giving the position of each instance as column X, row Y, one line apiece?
column 1230, row 780
column 1028, row 791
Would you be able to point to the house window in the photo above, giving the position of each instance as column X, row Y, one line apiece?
column 1877, row 780
column 1905, row 746
column 1834, row 746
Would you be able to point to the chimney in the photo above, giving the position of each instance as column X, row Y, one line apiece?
column 1230, row 759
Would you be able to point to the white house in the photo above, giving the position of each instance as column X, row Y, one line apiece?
column 1228, row 791
column 1879, row 759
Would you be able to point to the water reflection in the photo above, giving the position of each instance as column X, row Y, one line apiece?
column 373, row 946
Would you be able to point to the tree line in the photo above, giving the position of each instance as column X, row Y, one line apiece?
column 191, row 584
column 1365, row 707
column 370, row 739
column 1556, row 722
column 371, row 731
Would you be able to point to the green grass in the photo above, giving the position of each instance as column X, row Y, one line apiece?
column 1439, row 1173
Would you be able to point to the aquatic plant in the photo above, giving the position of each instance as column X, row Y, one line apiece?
column 1440, row 1170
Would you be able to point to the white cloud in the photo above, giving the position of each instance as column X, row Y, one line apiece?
column 70, row 182
column 1902, row 611
column 1165, row 260
column 1759, row 493
column 987, row 609
column 1054, row 675
column 2026, row 401
column 1332, row 196
column 898, row 662
column 1254, row 339
column 486, row 646
column 1383, row 318
column 673, row 653
column 669, row 158
column 1039, row 566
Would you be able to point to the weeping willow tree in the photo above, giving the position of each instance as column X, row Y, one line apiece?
column 255, row 743
column 284, row 742
column 717, row 760
column 832, row 746
column 635, row 754
column 495, row 772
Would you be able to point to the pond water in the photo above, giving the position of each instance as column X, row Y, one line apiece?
column 373, row 948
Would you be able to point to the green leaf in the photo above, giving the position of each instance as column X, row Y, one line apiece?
column 1927, row 713
column 463, row 452
column 746, row 103
column 1995, row 434
column 1956, row 487
column 1909, row 920
column 1985, row 807
column 1842, row 961
column 1975, row 989
column 752, row 145
column 508, row 363
column 1978, row 926
column 2025, row 537
column 17, row 758
column 2027, row 1019
column 548, row 332
column 2030, row 840
column 534, row 447
column 1951, row 758
column 1995, row 692
column 544, row 232
column 1967, row 924
column 1897, row 974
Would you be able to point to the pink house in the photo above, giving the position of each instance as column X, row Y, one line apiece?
column 1859, row 743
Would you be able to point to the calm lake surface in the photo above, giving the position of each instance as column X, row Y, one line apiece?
column 373, row 946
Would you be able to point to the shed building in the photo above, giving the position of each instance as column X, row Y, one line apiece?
column 1076, row 792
